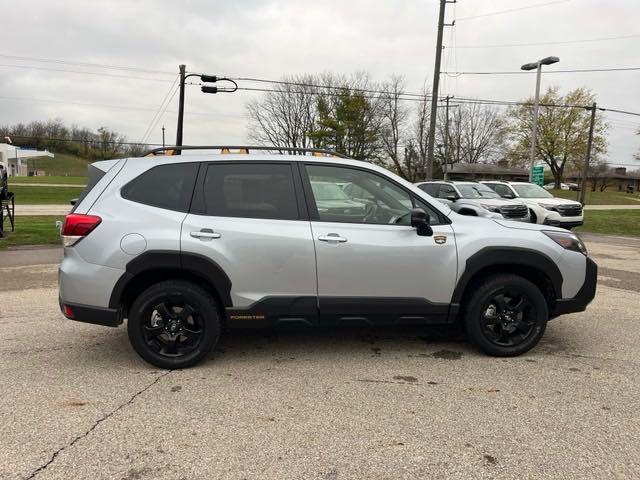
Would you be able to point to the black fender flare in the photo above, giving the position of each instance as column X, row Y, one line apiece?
column 191, row 263
column 507, row 256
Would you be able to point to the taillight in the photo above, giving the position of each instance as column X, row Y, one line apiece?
column 77, row 226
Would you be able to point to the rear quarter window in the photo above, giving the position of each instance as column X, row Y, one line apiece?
column 165, row 186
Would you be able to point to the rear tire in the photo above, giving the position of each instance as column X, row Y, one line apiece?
column 506, row 315
column 174, row 324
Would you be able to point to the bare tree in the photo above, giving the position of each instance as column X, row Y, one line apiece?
column 474, row 133
column 285, row 116
column 418, row 143
column 395, row 116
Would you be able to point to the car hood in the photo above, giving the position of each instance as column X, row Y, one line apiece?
column 495, row 202
column 553, row 201
column 527, row 226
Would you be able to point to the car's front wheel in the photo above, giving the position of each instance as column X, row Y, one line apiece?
column 506, row 315
column 173, row 324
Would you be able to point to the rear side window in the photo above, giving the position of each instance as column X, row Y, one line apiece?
column 430, row 188
column 165, row 186
column 95, row 175
column 251, row 190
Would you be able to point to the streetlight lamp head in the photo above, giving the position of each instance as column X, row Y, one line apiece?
column 208, row 89
column 529, row 66
column 209, row 78
column 549, row 60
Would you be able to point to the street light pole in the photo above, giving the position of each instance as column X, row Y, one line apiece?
column 536, row 106
column 534, row 128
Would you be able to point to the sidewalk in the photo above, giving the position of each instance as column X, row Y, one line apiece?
column 22, row 210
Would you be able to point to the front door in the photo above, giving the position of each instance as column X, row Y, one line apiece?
column 372, row 265
column 249, row 221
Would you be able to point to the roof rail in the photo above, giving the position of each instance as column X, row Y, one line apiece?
column 244, row 149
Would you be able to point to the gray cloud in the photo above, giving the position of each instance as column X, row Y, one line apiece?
column 271, row 38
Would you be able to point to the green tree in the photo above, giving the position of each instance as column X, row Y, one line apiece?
column 563, row 130
column 349, row 123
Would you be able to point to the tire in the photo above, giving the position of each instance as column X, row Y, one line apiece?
column 494, row 323
column 174, row 324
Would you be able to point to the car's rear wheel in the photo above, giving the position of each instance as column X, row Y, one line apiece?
column 174, row 324
column 506, row 315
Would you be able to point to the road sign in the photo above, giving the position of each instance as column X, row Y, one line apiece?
column 538, row 175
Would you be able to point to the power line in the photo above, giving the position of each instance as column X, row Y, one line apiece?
column 86, row 64
column 82, row 72
column 511, row 10
column 115, row 107
column 546, row 72
column 562, row 42
column 153, row 122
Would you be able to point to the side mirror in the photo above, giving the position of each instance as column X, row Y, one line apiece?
column 420, row 221
column 452, row 197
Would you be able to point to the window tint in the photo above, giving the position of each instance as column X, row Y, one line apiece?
column 165, row 186
column 501, row 190
column 430, row 188
column 251, row 190
column 360, row 197
column 476, row 190
column 446, row 190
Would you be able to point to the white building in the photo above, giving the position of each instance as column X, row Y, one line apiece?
column 15, row 158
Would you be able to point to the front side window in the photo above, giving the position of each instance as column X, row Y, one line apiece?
column 446, row 191
column 430, row 188
column 165, row 186
column 502, row 190
column 251, row 190
column 350, row 195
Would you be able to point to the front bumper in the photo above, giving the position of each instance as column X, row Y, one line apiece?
column 554, row 219
column 583, row 297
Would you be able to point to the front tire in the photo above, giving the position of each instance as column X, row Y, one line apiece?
column 506, row 316
column 173, row 324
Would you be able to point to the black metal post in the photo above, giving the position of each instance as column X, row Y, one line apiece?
column 183, row 70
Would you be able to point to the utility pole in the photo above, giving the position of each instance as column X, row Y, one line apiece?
column 587, row 157
column 162, row 136
column 434, row 92
column 446, row 138
column 183, row 71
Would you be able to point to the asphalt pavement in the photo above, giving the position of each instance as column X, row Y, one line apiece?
column 78, row 403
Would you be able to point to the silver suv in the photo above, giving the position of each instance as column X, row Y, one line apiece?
column 186, row 246
column 472, row 198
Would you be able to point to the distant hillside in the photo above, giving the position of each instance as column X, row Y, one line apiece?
column 63, row 164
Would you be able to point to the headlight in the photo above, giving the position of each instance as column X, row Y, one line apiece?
column 547, row 206
column 567, row 240
column 491, row 208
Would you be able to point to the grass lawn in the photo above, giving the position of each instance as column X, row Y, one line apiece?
column 44, row 195
column 611, row 222
column 40, row 230
column 48, row 179
column 61, row 165
column 608, row 197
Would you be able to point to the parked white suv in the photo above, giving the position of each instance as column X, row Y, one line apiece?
column 473, row 198
column 184, row 246
column 545, row 208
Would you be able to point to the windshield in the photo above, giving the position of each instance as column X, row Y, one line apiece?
column 529, row 190
column 476, row 191
column 328, row 191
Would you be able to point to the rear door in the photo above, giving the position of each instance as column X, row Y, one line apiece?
column 250, row 219
column 372, row 265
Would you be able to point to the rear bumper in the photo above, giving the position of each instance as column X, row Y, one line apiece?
column 107, row 317
column 583, row 297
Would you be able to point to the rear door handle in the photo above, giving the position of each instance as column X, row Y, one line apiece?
column 205, row 233
column 332, row 237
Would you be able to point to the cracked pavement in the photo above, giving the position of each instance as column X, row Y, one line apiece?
column 394, row 403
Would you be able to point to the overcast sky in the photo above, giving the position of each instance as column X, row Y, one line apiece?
column 269, row 38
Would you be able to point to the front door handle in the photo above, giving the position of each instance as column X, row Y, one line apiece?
column 205, row 233
column 332, row 237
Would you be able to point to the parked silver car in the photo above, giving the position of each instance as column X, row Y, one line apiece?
column 184, row 247
column 472, row 198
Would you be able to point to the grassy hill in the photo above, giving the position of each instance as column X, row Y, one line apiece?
column 62, row 165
